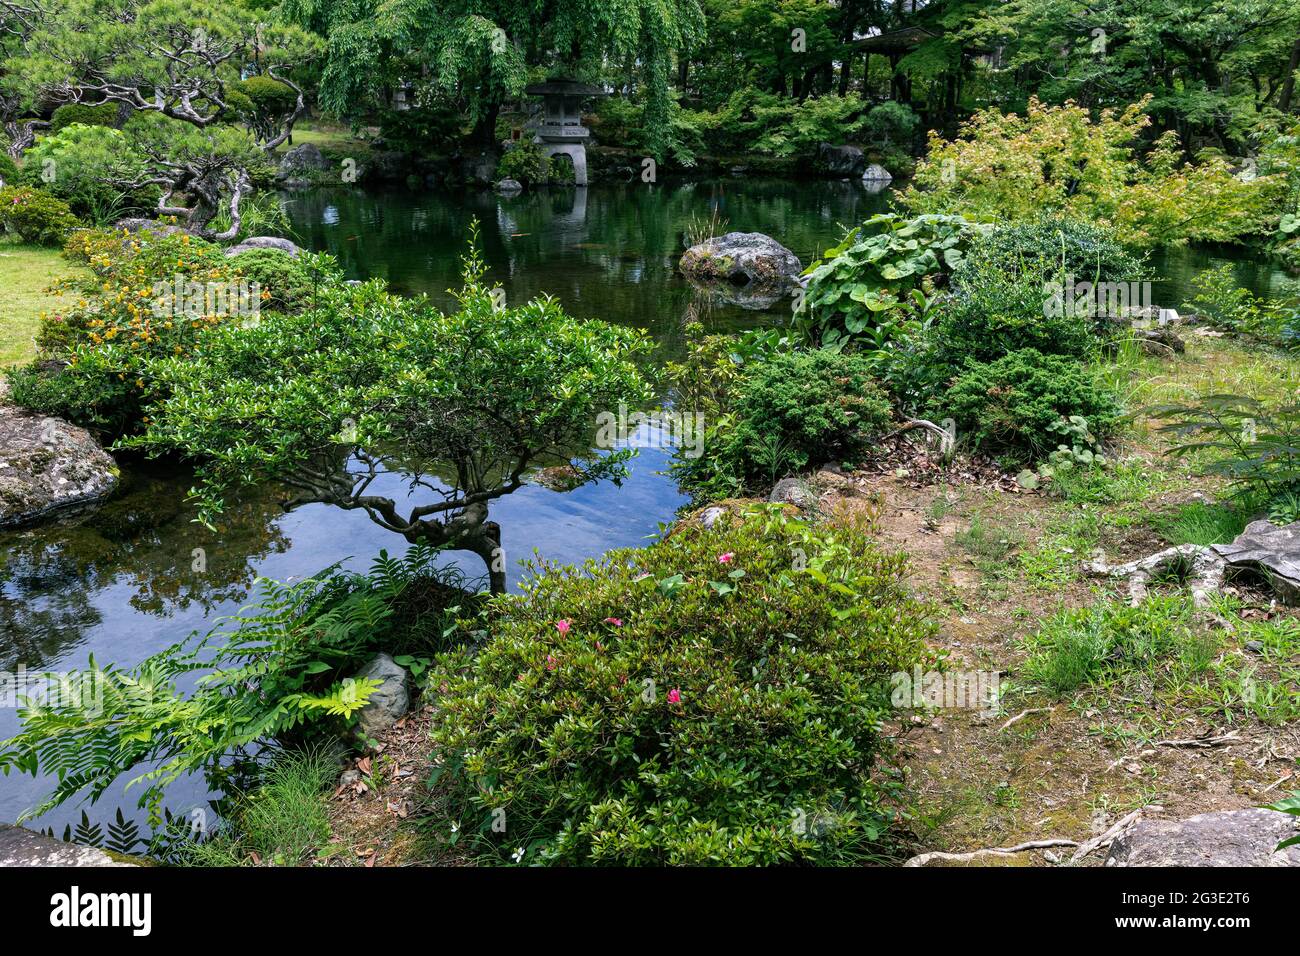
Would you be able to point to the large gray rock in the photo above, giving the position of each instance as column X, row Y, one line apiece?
column 1268, row 551
column 875, row 173
column 479, row 167
column 510, row 187
column 840, row 160
column 1225, row 838
column 264, row 242
column 48, row 466
column 793, row 491
column 390, row 701
column 303, row 159
column 22, row 847
column 743, row 259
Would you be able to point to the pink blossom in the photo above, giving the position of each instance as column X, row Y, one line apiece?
column 616, row 621
column 674, row 696
column 562, row 626
column 550, row 662
column 726, row 558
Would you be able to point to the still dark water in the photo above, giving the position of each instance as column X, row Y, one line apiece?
column 119, row 584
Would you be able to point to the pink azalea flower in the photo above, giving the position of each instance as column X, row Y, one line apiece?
column 726, row 558
column 562, row 626
column 550, row 662
column 616, row 621
column 674, row 696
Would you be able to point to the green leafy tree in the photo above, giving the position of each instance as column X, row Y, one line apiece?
column 367, row 383
column 479, row 54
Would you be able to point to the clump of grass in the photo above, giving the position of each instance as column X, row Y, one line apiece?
column 988, row 545
column 1201, row 523
column 283, row 821
column 1080, row 646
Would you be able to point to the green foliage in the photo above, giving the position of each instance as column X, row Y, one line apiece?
column 1254, row 445
column 291, row 283
column 1289, row 805
column 477, row 55
column 772, row 413
column 1052, row 246
column 818, row 405
column 1006, row 167
column 752, row 121
column 1231, row 308
column 264, row 104
column 701, row 701
column 125, row 315
column 996, row 310
column 1010, row 407
column 463, row 402
column 80, row 165
column 1200, row 523
column 866, row 287
column 1079, row 646
column 82, row 114
column 281, row 821
column 35, row 216
column 278, row 668
column 421, row 130
column 524, row 162
column 8, row 169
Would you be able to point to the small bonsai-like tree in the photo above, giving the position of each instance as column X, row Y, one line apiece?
column 368, row 383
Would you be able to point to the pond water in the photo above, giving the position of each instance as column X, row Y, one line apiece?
column 120, row 585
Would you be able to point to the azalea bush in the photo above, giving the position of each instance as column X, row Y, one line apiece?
column 34, row 216
column 714, row 699
column 1005, row 167
column 97, row 344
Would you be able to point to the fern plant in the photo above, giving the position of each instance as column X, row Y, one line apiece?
column 277, row 668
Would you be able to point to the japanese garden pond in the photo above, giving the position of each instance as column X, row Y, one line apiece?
column 121, row 584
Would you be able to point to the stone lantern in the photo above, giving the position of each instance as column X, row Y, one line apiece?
column 561, row 129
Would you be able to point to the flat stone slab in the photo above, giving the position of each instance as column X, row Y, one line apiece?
column 1224, row 838
column 1268, row 550
column 22, row 847
column 48, row 465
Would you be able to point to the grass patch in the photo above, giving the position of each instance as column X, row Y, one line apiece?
column 1081, row 646
column 1201, row 523
column 25, row 273
column 284, row 821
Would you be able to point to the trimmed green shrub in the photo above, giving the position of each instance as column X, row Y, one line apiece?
column 798, row 409
column 34, row 216
column 8, row 168
column 997, row 311
column 263, row 103
column 525, row 162
column 708, row 700
column 1052, row 246
column 1007, row 408
column 420, row 130
column 78, row 164
column 80, row 114
column 288, row 282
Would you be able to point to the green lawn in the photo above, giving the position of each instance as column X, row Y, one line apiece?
column 25, row 273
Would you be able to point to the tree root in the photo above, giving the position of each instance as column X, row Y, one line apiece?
column 1205, row 571
column 926, row 858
